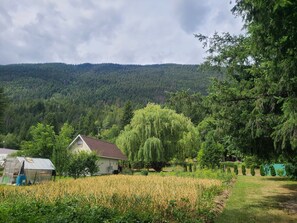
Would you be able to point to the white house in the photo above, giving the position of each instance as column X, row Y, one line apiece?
column 109, row 154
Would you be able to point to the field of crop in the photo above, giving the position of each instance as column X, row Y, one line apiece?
column 116, row 198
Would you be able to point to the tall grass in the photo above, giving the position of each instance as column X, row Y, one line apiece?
column 146, row 198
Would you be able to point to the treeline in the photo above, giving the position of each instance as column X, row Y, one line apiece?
column 90, row 97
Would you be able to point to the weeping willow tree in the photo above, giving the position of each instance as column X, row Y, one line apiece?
column 157, row 135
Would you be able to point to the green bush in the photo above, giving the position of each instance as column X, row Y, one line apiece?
column 127, row 171
column 272, row 170
column 82, row 164
column 291, row 170
column 194, row 167
column 243, row 170
column 262, row 170
column 236, row 169
column 251, row 161
column 229, row 164
column 280, row 172
column 190, row 167
column 253, row 171
column 228, row 170
column 144, row 172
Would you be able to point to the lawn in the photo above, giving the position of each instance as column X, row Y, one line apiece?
column 261, row 199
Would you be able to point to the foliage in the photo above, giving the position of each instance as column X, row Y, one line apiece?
column 44, row 143
column 89, row 97
column 272, row 170
column 262, row 170
column 280, row 172
column 82, row 164
column 251, row 161
column 191, row 105
column 157, row 135
column 60, row 153
column 291, row 170
column 2, row 106
column 229, row 163
column 255, row 106
column 236, row 169
column 144, row 172
column 243, row 169
column 253, row 170
column 203, row 174
column 211, row 150
column 41, row 143
column 9, row 141
column 127, row 115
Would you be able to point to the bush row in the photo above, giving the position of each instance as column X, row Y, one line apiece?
column 290, row 170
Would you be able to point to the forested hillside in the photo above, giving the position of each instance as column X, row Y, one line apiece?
column 88, row 96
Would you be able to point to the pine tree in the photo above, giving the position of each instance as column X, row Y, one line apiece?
column 128, row 114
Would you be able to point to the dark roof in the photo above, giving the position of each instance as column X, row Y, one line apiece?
column 104, row 149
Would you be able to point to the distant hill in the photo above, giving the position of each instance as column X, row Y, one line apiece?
column 95, row 83
column 55, row 93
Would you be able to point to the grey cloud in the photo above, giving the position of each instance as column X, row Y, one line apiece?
column 76, row 31
column 192, row 14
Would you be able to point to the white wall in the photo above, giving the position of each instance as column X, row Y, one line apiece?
column 106, row 165
column 79, row 146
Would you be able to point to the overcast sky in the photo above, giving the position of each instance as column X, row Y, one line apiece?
column 110, row 31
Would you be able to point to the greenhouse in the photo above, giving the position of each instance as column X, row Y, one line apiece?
column 25, row 170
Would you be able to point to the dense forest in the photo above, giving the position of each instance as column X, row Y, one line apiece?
column 90, row 97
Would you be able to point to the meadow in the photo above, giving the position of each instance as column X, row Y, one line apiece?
column 116, row 198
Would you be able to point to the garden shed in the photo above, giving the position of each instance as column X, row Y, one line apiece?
column 25, row 170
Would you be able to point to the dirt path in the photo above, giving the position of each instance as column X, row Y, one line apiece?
column 261, row 199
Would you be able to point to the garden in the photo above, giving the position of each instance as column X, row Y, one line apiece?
column 158, row 197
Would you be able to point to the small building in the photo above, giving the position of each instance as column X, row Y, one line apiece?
column 4, row 153
column 29, row 170
column 109, row 154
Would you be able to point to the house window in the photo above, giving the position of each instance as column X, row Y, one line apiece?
column 79, row 142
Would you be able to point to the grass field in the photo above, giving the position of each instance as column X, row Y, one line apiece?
column 261, row 199
column 116, row 198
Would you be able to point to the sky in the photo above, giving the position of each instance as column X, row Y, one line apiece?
column 110, row 31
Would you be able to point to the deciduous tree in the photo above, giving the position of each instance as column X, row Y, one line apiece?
column 157, row 135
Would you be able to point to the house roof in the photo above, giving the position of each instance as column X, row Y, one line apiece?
column 36, row 163
column 104, row 149
column 7, row 151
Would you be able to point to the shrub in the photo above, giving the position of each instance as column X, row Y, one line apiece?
column 227, row 164
column 236, row 169
column 253, row 171
column 127, row 171
column 291, row 170
column 194, row 167
column 190, row 167
column 81, row 164
column 280, row 172
column 251, row 161
column 262, row 170
column 272, row 170
column 228, row 170
column 144, row 172
column 243, row 170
